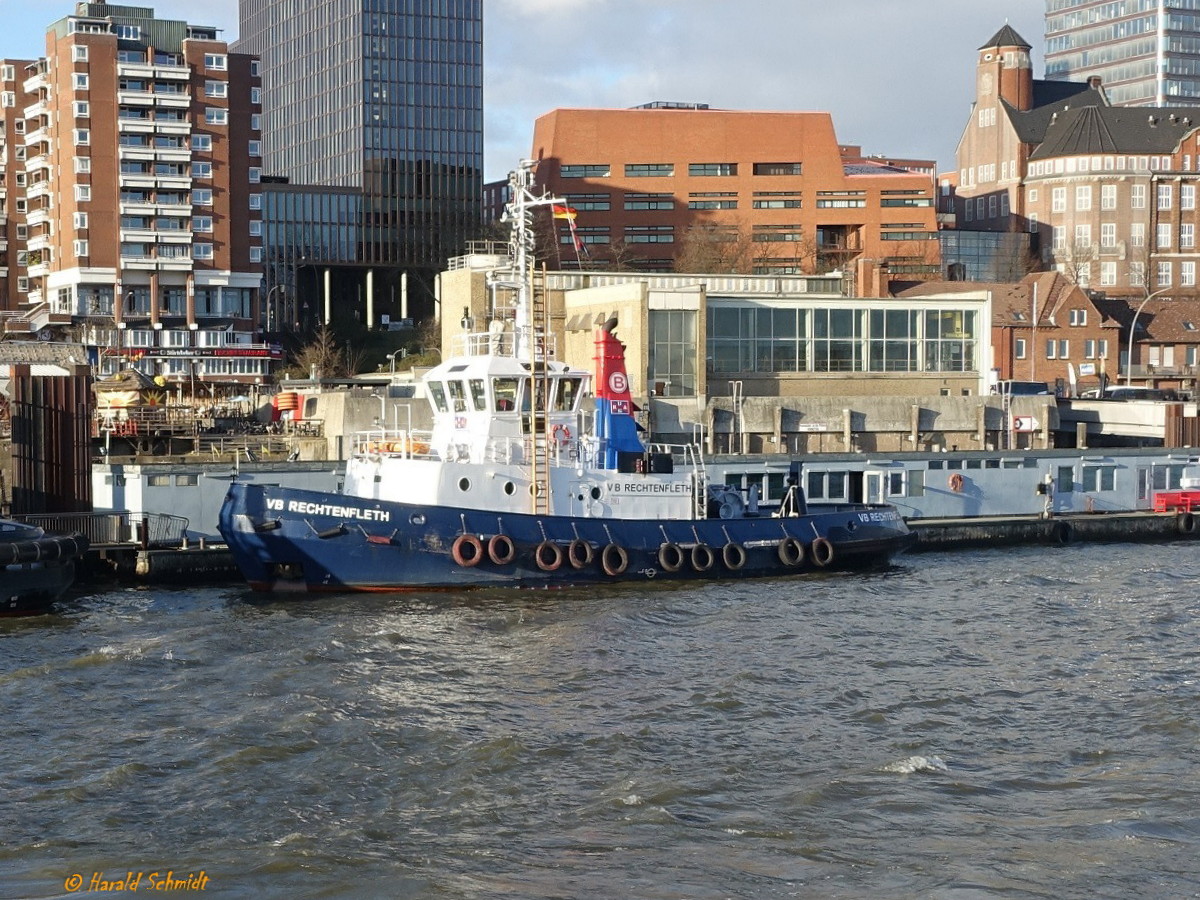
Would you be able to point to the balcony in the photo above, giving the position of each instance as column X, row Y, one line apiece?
column 141, row 263
column 38, row 242
column 173, row 73
column 178, row 101
column 174, row 182
column 41, row 108
column 138, row 209
column 135, row 181
column 183, row 127
column 174, row 236
column 38, row 189
column 37, row 216
column 146, row 154
column 41, row 270
column 138, row 236
column 41, row 161
column 178, row 264
column 173, row 154
column 135, row 70
column 135, row 126
column 36, row 136
column 182, row 210
column 135, row 98
column 36, row 82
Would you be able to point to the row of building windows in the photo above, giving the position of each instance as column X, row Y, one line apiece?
column 1061, row 349
column 667, row 170
column 729, row 200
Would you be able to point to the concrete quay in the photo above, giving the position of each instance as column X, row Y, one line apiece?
column 993, row 531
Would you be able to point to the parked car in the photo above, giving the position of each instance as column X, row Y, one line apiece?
column 1021, row 388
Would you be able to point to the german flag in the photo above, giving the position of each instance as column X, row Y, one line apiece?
column 563, row 212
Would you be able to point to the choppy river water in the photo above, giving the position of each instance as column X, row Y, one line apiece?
column 1011, row 723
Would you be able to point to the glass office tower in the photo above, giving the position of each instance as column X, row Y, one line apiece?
column 382, row 99
column 1146, row 52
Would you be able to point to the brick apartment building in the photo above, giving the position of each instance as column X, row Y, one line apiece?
column 670, row 186
column 129, row 204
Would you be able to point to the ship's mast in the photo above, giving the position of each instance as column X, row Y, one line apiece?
column 522, row 243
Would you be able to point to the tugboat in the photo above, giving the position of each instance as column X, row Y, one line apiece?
column 35, row 568
column 520, row 483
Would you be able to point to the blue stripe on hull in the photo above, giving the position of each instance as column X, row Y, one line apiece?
column 374, row 546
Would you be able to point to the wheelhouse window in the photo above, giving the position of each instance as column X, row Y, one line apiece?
column 478, row 394
column 437, row 393
column 569, row 392
column 504, row 394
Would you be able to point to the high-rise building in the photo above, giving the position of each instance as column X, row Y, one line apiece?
column 129, row 202
column 382, row 102
column 1146, row 53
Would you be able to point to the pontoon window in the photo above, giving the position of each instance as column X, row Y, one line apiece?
column 478, row 394
column 1099, row 478
column 437, row 393
column 458, row 395
column 504, row 392
column 568, row 394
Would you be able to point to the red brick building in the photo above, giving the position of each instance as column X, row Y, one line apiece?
column 767, row 193
column 130, row 156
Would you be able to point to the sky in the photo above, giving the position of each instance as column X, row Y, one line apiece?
column 897, row 77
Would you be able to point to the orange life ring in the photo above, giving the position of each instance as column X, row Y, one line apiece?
column 561, row 433
column 548, row 556
column 956, row 483
column 467, row 550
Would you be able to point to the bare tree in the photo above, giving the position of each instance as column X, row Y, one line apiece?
column 716, row 249
column 324, row 356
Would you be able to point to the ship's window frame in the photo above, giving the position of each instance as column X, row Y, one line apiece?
column 458, row 393
column 567, row 392
column 505, row 390
column 437, row 394
column 478, row 391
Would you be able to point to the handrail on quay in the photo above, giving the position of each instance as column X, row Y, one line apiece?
column 115, row 528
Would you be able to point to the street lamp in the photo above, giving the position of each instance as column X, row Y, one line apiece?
column 270, row 305
column 1133, row 332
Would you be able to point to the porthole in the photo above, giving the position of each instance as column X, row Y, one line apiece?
column 595, row 493
column 509, row 488
column 417, row 519
column 464, row 484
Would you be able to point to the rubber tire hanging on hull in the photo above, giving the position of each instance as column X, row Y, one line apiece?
column 703, row 557
column 1185, row 523
column 501, row 549
column 579, row 553
column 670, row 557
column 822, row 551
column 791, row 552
column 614, row 559
column 548, row 556
column 733, row 556
column 467, row 550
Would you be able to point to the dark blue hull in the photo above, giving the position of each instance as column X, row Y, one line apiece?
column 286, row 539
